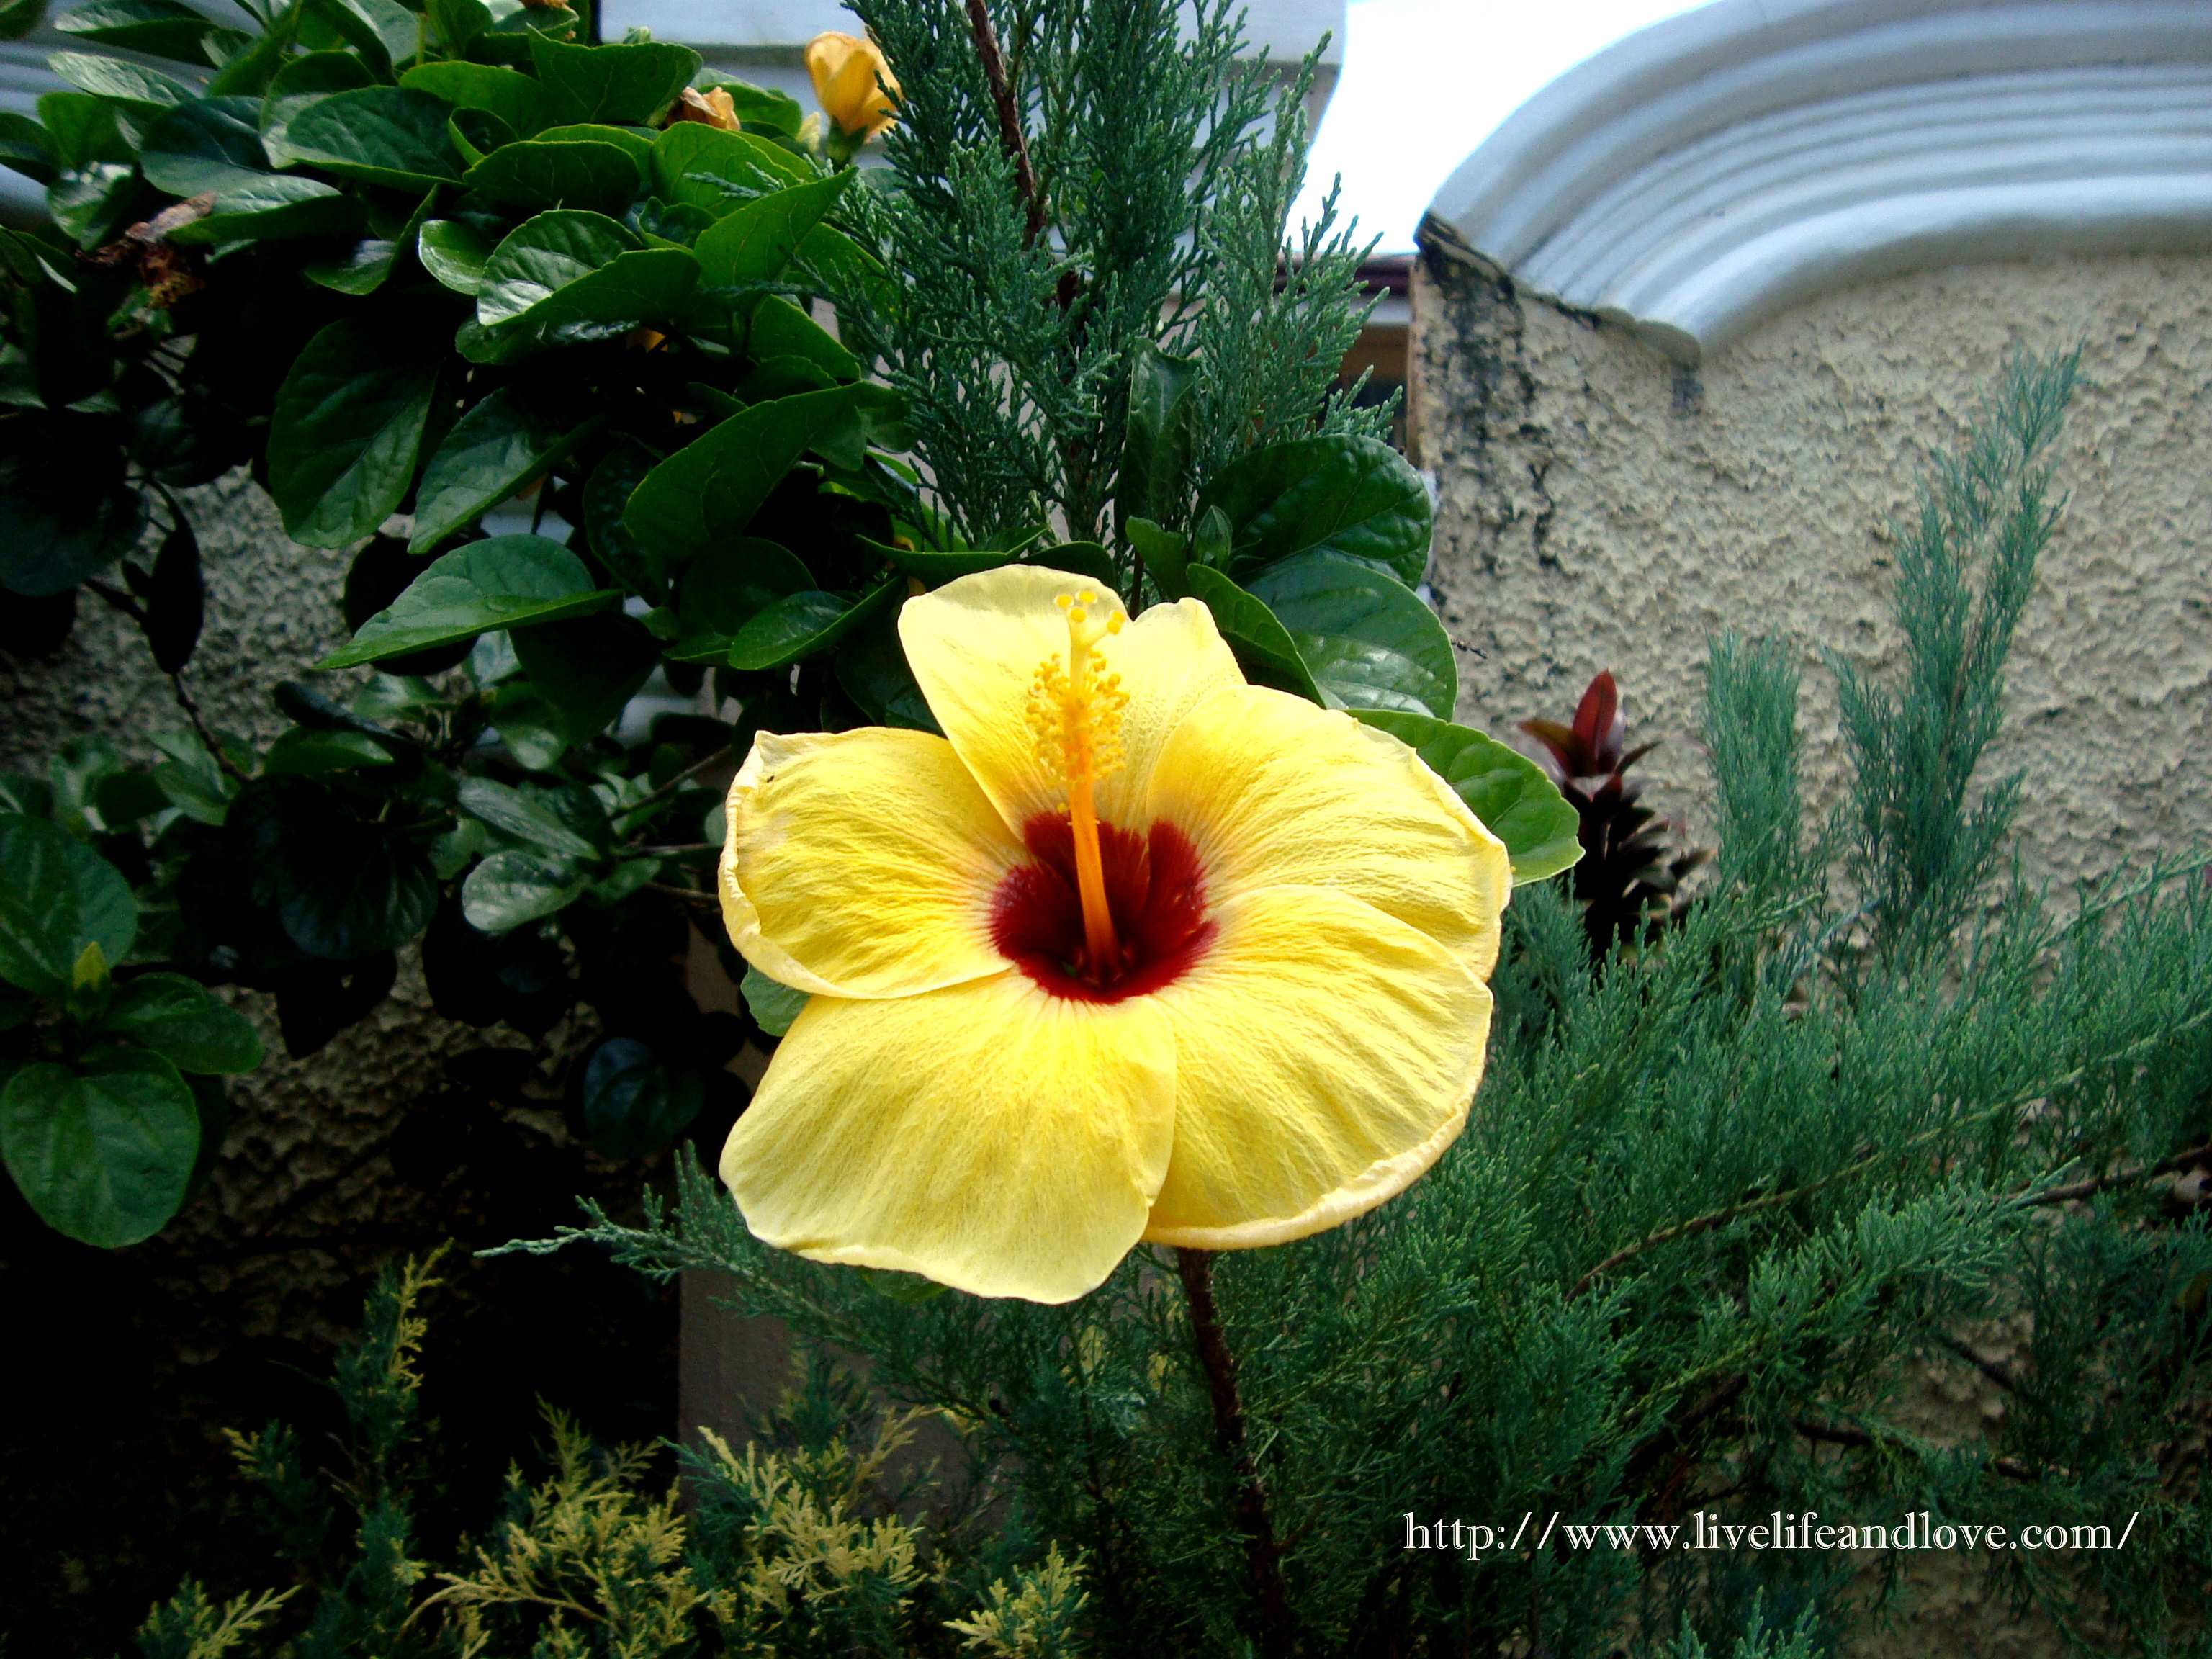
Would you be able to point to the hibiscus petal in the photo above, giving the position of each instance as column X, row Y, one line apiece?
column 988, row 1136
column 1325, row 1055
column 861, row 864
column 1275, row 792
column 974, row 644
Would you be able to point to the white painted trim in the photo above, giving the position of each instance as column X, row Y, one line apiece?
column 1705, row 173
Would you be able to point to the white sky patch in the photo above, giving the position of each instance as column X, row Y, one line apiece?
column 1426, row 80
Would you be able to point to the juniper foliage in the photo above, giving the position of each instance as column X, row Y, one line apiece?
column 1141, row 216
column 1708, row 1210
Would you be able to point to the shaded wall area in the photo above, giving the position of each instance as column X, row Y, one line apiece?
column 1601, row 507
column 406, row 1131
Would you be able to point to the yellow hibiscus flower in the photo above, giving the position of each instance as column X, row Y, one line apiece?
column 1137, row 951
column 852, row 82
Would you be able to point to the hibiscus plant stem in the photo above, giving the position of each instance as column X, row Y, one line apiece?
column 1264, row 1556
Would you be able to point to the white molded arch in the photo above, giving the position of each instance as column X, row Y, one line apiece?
column 1713, row 170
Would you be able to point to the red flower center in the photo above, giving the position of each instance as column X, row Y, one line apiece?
column 1154, row 887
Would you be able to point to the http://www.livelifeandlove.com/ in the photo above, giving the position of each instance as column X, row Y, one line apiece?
column 1706, row 1530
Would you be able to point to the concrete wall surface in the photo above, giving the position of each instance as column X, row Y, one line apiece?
column 1600, row 507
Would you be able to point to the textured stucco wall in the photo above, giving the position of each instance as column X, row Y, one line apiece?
column 1599, row 507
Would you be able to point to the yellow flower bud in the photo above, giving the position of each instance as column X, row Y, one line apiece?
column 848, row 71
column 710, row 108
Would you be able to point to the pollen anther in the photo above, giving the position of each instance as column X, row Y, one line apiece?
column 1074, row 714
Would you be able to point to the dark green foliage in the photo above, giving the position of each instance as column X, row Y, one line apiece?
column 1709, row 1205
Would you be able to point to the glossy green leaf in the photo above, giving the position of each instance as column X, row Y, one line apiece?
column 383, row 32
column 937, row 568
column 179, row 1020
column 27, row 147
column 1263, row 648
column 636, row 142
column 537, row 260
column 299, row 83
column 514, row 97
column 1155, row 475
column 457, row 21
column 103, row 1154
column 344, row 432
column 606, row 494
column 710, row 490
column 57, row 897
column 692, row 161
column 507, row 581
column 143, row 91
column 1166, row 555
column 872, row 668
column 587, row 669
column 365, row 266
column 160, row 28
column 627, row 85
column 772, row 1004
column 781, row 329
column 844, row 268
column 304, row 753
column 526, row 816
column 1354, row 496
column 570, row 275
column 393, row 136
column 759, row 109
column 1364, row 637
column 537, row 174
column 454, row 253
column 1508, row 791
column 727, row 587
column 634, row 1102
column 82, row 130
column 508, row 889
column 96, row 205
column 803, row 624
column 755, row 242
column 208, row 145
column 492, row 452
column 273, row 207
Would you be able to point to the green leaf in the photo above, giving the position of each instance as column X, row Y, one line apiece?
column 492, row 452
column 572, row 276
column 606, row 494
column 363, row 269
column 872, row 668
column 725, row 588
column 457, row 21
column 82, row 130
column 636, row 142
column 1367, row 640
column 273, row 207
column 504, row 582
column 393, row 136
column 690, row 157
column 301, row 752
column 537, row 174
column 160, row 28
column 753, row 243
column 95, row 205
column 513, row 96
column 937, row 568
column 1165, row 554
column 346, row 430
column 382, row 31
column 627, row 85
column 781, row 329
column 803, row 623
column 1155, row 474
column 343, row 886
column 1508, row 791
column 633, row 1103
column 758, row 108
column 528, row 815
column 300, row 83
column 587, row 669
column 57, row 896
column 19, row 17
column 208, row 145
column 103, row 1155
column 26, row 148
column 1353, row 496
column 772, row 1004
column 142, row 91
column 454, row 253
column 508, row 889
column 67, row 507
column 709, row 489
column 1263, row 646
column 177, row 1019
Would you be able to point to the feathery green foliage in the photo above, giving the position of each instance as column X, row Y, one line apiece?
column 1708, row 1209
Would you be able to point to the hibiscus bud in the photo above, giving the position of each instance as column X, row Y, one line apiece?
column 853, row 84
column 710, row 108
